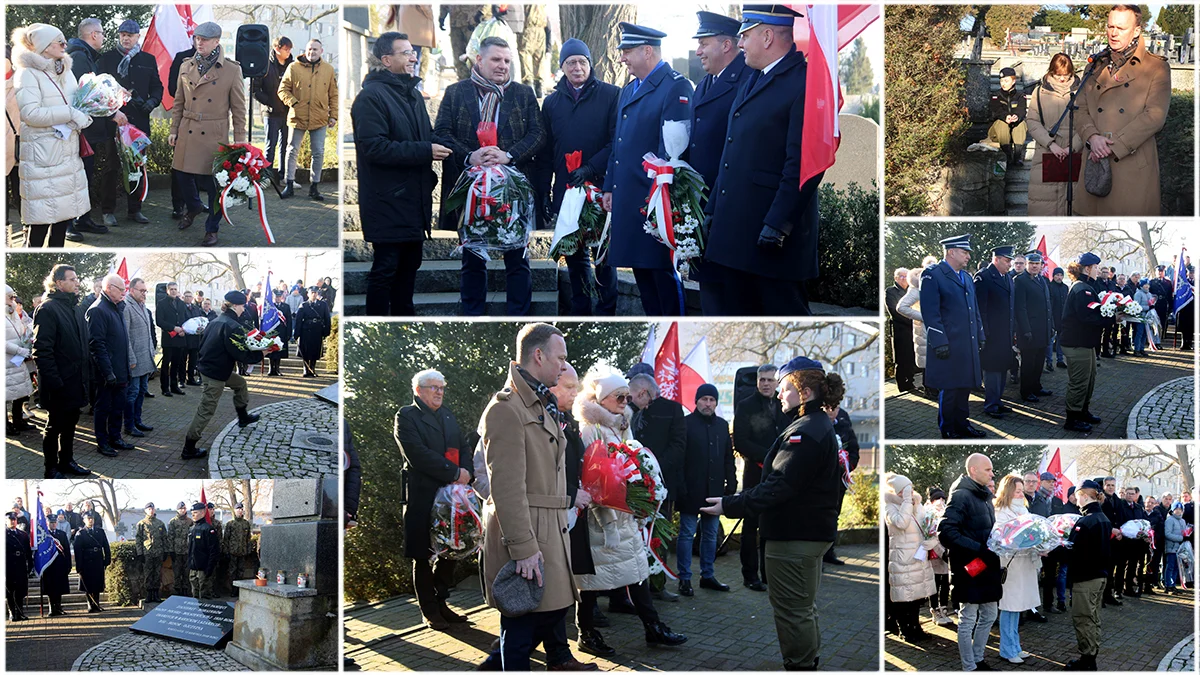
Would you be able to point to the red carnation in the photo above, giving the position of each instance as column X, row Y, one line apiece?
column 227, row 165
column 655, row 543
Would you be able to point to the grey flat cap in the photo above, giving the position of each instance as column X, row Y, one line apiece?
column 515, row 595
column 208, row 29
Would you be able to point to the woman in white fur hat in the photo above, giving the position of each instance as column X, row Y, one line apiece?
column 18, row 342
column 54, row 188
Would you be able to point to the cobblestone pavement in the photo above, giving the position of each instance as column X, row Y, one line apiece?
column 294, row 439
column 734, row 631
column 298, row 222
column 157, row 454
column 1164, row 410
column 1134, row 637
column 1182, row 657
column 1120, row 384
column 133, row 652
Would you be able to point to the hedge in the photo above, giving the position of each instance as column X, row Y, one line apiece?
column 123, row 579
column 160, row 153
column 1175, row 156
column 848, row 247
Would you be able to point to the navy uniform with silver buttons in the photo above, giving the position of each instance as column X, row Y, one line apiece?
column 713, row 99
column 643, row 107
column 762, row 243
column 954, row 336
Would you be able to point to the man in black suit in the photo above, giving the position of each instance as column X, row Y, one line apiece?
column 902, row 332
column 171, row 315
column 1034, row 327
column 994, row 294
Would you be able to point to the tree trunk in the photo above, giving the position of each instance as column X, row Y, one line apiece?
column 596, row 26
column 235, row 268
column 1185, row 466
column 1148, row 244
column 248, row 499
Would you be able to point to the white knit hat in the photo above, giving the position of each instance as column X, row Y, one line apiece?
column 38, row 36
column 608, row 384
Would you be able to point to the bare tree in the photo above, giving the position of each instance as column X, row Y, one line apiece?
column 111, row 498
column 1141, row 461
column 1112, row 241
column 203, row 268
column 596, row 25
column 279, row 14
column 820, row 340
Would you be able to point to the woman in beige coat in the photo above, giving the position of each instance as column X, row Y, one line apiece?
column 54, row 188
column 1046, row 105
column 910, row 574
column 18, row 343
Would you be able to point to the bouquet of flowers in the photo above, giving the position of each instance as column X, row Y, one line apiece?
column 457, row 531
column 1063, row 523
column 1112, row 303
column 928, row 523
column 496, row 202
column 1030, row 532
column 99, row 95
column 131, row 148
column 240, row 168
column 675, row 208
column 581, row 218
column 256, row 341
column 1137, row 529
column 195, row 325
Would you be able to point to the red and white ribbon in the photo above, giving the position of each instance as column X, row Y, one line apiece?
column 262, row 209
column 662, row 175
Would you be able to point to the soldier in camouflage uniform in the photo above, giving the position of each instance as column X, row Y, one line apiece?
column 221, row 575
column 177, row 537
column 204, row 550
column 235, row 543
column 531, row 47
column 151, row 545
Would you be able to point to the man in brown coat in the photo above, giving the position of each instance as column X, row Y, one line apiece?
column 210, row 90
column 525, row 518
column 309, row 89
column 1121, row 109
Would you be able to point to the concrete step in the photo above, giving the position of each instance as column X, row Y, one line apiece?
column 440, row 247
column 444, row 276
column 545, row 303
column 69, row 600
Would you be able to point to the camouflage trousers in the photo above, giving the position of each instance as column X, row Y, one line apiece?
column 179, row 566
column 202, row 584
column 152, row 567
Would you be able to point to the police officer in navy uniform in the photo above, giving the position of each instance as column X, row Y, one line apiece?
column 762, row 225
column 725, row 65
column 18, row 558
column 657, row 94
column 954, row 336
column 994, row 296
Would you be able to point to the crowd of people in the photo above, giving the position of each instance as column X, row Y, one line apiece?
column 61, row 160
column 203, row 554
column 797, row 444
column 99, row 352
column 1128, row 81
column 1011, row 323
column 950, row 568
column 744, row 120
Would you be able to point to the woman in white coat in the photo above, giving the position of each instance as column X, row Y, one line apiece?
column 54, row 188
column 18, row 342
column 1021, row 590
column 910, row 574
column 619, row 555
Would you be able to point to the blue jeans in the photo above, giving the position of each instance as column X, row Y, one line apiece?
column 1139, row 337
column 277, row 136
column 708, row 544
column 1010, row 639
column 1062, row 584
column 135, row 395
column 1171, row 570
column 974, row 624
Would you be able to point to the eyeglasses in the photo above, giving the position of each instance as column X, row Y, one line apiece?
column 436, row 388
column 621, row 398
column 406, row 52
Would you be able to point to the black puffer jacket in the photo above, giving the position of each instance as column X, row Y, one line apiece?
column 217, row 351
column 85, row 60
column 964, row 532
column 1091, row 546
column 108, row 340
column 60, row 351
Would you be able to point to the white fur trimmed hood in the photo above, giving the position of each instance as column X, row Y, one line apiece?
column 23, row 58
column 588, row 411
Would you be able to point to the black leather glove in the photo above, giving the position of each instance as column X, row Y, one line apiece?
column 706, row 226
column 942, row 352
column 442, row 23
column 770, row 238
column 1028, row 337
column 111, row 382
column 150, row 105
column 580, row 176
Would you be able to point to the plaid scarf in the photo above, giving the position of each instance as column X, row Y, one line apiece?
column 490, row 95
column 543, row 393
column 123, row 66
column 1118, row 59
column 204, row 63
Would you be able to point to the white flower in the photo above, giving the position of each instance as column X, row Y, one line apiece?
column 686, row 208
column 222, row 178
column 241, row 184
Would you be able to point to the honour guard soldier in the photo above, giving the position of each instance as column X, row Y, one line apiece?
column 657, row 94
column 954, row 336
column 151, row 546
column 204, row 551
column 18, row 562
column 236, row 543
column 762, row 234
column 994, row 296
column 177, row 546
column 725, row 65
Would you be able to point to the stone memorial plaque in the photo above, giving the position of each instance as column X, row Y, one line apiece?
column 200, row 622
column 295, row 498
column 330, row 394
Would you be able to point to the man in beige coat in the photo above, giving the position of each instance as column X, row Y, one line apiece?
column 1122, row 107
column 309, row 88
column 210, row 90
column 525, row 518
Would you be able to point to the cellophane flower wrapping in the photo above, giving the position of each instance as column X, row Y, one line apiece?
column 1063, row 523
column 243, row 165
column 928, row 523
column 1136, row 529
column 255, row 340
column 195, row 325
column 581, row 217
column 1029, row 532
column 99, row 95
column 602, row 478
column 456, row 532
column 676, row 221
column 496, row 204
column 132, row 144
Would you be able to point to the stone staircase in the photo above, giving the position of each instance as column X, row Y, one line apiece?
column 73, row 602
column 1016, row 179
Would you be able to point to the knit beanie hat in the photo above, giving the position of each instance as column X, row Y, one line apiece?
column 706, row 389
column 608, row 384
column 573, row 47
column 38, row 36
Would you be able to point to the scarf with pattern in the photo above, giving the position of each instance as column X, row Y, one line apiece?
column 123, row 66
column 543, row 393
column 490, row 95
column 1118, row 59
column 205, row 63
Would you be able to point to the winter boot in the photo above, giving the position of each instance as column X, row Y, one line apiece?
column 190, row 451
column 289, row 190
column 245, row 419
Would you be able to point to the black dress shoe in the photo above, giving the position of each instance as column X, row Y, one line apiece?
column 167, row 394
column 72, row 468
column 177, row 391
column 974, row 433
column 71, row 234
column 1004, row 409
column 451, row 616
column 1089, row 417
column 755, row 585
column 659, row 633
column 994, row 414
column 176, row 214
column 53, row 474
column 1030, row 399
column 1078, row 425
column 591, row 642
column 983, row 665
column 143, row 427
column 1045, row 392
column 106, row 451
column 685, row 588
column 121, row 444
column 149, row 395
column 952, row 434
column 1038, row 617
column 1060, row 364
column 712, row 584
column 136, row 433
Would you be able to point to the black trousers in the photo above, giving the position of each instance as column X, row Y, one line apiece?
column 906, row 358
column 114, row 181
column 1031, row 371
column 274, row 360
column 16, row 602
column 1048, row 580
column 520, row 635
column 1109, row 342
column 586, row 282
column 93, row 600
column 518, row 284
column 1185, row 324
column 940, row 598
column 193, row 359
column 1135, row 560
column 35, row 235
column 751, row 553
column 58, row 439
column 638, row 594
column 393, row 278
column 1154, row 567
column 430, row 584
column 661, row 293
column 725, row 291
column 172, row 369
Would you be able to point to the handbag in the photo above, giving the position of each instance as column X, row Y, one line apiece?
column 1054, row 170
column 85, row 148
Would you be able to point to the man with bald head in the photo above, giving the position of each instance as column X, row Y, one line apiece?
column 976, row 584
column 108, row 343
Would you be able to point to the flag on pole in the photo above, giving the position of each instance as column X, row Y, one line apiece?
column 648, row 350
column 666, row 365
column 1048, row 264
column 694, row 372
column 204, row 501
column 270, row 314
column 170, row 32
column 123, row 271
column 1070, row 479
column 1183, row 288
column 45, row 547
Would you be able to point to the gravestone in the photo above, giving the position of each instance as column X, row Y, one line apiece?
column 189, row 620
column 857, row 155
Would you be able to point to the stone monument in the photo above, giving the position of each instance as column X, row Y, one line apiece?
column 281, row 626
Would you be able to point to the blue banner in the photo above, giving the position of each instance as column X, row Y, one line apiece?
column 270, row 314
column 45, row 546
column 1184, row 293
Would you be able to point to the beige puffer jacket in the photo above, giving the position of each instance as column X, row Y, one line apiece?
column 311, row 91
column 18, row 340
column 54, row 186
column 1046, row 105
column 908, row 578
column 616, row 540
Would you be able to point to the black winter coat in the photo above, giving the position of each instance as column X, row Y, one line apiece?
column 661, row 428
column 268, row 91
column 60, row 351
column 85, row 60
column 1031, row 306
column 145, row 87
column 802, row 475
column 427, row 440
column 176, row 64
column 393, row 141
column 1158, row 522
column 1011, row 102
column 711, row 103
column 312, row 322
column 171, row 313
column 581, row 548
column 964, row 532
column 217, row 351
column 757, row 421
column 204, row 547
column 994, row 296
column 1083, row 327
column 1090, row 552
column 587, row 125
column 18, row 561
column 1041, row 504
column 108, row 340
column 56, row 580
column 519, row 132
column 1058, row 300
column 708, row 467
column 92, row 556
